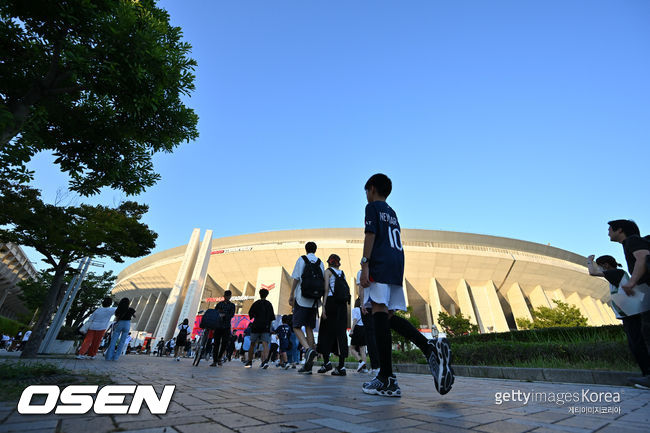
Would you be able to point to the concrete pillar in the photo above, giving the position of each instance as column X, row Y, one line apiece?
column 517, row 303
column 197, row 282
column 607, row 313
column 488, row 309
column 146, row 312
column 465, row 302
column 556, row 295
column 135, row 304
column 156, row 313
column 538, row 298
column 434, row 301
column 593, row 310
column 574, row 299
column 175, row 298
column 405, row 289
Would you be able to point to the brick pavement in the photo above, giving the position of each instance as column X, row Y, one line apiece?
column 232, row 398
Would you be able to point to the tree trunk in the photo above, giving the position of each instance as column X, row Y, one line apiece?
column 47, row 308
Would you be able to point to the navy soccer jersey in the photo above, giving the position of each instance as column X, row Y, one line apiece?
column 387, row 256
column 283, row 331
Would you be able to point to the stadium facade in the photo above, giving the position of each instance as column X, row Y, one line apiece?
column 14, row 267
column 491, row 280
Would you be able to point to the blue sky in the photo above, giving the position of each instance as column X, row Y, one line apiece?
column 526, row 120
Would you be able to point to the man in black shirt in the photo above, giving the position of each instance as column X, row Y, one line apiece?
column 636, row 250
column 262, row 313
column 222, row 336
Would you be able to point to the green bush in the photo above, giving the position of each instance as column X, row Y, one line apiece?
column 557, row 335
column 562, row 315
column 10, row 327
column 456, row 325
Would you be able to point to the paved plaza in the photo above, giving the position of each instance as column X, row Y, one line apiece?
column 232, row 398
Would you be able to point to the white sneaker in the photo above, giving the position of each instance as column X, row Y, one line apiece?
column 178, row 358
column 81, row 357
column 361, row 366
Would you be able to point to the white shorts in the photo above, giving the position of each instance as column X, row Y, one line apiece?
column 391, row 295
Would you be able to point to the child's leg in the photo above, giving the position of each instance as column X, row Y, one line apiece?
column 384, row 340
column 408, row 331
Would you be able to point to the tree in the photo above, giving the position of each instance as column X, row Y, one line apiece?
column 456, row 325
column 93, row 290
column 64, row 235
column 408, row 315
column 563, row 315
column 97, row 83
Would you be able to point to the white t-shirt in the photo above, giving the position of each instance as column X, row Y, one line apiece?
column 27, row 334
column 297, row 275
column 356, row 314
column 100, row 319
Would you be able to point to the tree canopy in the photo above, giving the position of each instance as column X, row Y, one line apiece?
column 97, row 83
column 67, row 234
column 94, row 288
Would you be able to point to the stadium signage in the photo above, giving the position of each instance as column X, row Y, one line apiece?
column 231, row 250
column 234, row 298
column 80, row 399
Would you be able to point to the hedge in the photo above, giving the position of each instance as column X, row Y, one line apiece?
column 557, row 335
column 508, row 352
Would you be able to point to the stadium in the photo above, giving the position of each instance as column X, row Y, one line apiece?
column 492, row 280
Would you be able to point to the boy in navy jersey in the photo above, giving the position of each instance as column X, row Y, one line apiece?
column 382, row 273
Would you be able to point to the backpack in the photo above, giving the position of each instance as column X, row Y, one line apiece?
column 212, row 319
column 312, row 282
column 182, row 334
column 341, row 288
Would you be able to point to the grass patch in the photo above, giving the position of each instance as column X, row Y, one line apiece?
column 15, row 377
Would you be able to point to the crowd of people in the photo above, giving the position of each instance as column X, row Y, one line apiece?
column 16, row 342
column 318, row 289
column 289, row 341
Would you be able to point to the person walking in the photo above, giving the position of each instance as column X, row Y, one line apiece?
column 97, row 324
column 123, row 315
column 160, row 347
column 263, row 315
column 369, row 331
column 222, row 335
column 358, row 337
column 332, row 337
column 181, row 339
column 307, row 290
column 382, row 276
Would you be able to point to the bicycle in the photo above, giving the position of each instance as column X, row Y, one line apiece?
column 200, row 351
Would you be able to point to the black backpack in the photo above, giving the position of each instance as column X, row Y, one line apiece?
column 312, row 282
column 182, row 334
column 341, row 288
column 212, row 319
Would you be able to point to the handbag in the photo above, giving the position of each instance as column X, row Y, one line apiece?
column 85, row 328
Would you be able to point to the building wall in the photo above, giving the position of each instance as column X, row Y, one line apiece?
column 489, row 279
